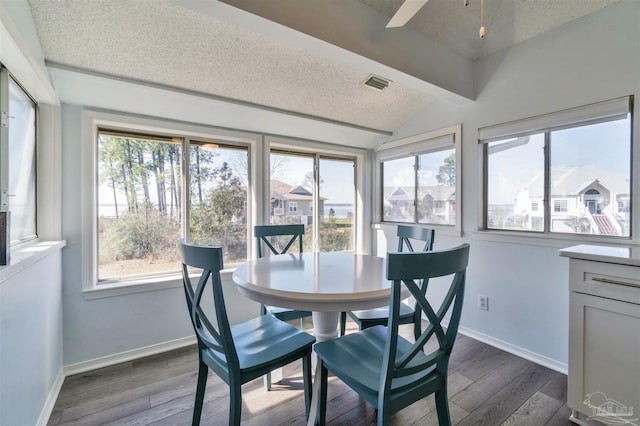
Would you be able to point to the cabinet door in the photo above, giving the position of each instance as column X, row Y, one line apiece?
column 604, row 357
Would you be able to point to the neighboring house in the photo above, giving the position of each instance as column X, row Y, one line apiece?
column 289, row 201
column 437, row 204
column 584, row 199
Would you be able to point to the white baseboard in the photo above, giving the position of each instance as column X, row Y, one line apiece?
column 47, row 409
column 515, row 350
column 109, row 360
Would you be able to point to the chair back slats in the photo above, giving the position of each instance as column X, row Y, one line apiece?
column 208, row 334
column 407, row 233
column 263, row 232
column 404, row 269
column 433, row 327
column 214, row 333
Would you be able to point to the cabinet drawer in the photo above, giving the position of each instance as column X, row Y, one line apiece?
column 619, row 282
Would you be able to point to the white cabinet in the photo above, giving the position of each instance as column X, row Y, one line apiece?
column 604, row 334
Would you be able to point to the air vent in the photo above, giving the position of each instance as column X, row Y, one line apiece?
column 376, row 82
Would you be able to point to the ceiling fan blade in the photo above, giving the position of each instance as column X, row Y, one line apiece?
column 406, row 12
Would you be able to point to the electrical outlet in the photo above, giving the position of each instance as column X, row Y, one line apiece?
column 483, row 303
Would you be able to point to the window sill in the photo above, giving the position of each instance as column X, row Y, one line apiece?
column 549, row 240
column 26, row 254
column 122, row 288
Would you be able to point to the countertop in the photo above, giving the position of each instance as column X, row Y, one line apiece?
column 623, row 255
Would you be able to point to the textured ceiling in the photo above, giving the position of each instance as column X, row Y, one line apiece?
column 162, row 42
column 507, row 22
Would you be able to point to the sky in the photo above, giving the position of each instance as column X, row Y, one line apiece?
column 604, row 145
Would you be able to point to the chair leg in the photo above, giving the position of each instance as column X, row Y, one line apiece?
column 235, row 409
column 266, row 381
column 203, row 372
column 322, row 398
column 383, row 417
column 306, row 377
column 303, row 324
column 442, row 406
column 343, row 323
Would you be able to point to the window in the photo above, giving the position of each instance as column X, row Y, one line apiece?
column 332, row 189
column 419, row 179
column 574, row 163
column 623, row 205
column 148, row 183
column 18, row 158
column 144, row 206
column 560, row 206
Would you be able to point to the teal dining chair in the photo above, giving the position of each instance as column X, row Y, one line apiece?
column 387, row 370
column 379, row 316
column 292, row 234
column 278, row 239
column 240, row 353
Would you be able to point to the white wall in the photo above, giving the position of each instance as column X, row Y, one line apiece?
column 30, row 339
column 592, row 59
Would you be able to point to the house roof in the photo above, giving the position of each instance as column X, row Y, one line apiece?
column 405, row 193
column 283, row 191
column 573, row 180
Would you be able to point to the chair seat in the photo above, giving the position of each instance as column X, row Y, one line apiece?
column 262, row 342
column 286, row 314
column 356, row 359
column 382, row 314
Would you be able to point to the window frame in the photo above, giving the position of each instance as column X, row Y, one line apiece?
column 5, row 168
column 585, row 115
column 423, row 143
column 319, row 150
column 92, row 121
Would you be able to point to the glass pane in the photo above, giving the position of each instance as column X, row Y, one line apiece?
column 291, row 194
column 139, row 196
column 515, row 184
column 218, row 186
column 437, row 187
column 590, row 179
column 22, row 164
column 399, row 190
column 337, row 204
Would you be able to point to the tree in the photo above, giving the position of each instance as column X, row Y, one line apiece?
column 447, row 173
column 200, row 171
column 221, row 218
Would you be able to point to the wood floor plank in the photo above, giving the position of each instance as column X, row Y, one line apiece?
column 431, row 419
column 482, row 389
column 500, row 406
column 176, row 386
column 557, row 387
column 480, row 353
column 561, row 417
column 110, row 415
column 535, row 411
column 124, row 377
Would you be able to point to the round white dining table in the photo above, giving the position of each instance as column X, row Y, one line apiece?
column 325, row 283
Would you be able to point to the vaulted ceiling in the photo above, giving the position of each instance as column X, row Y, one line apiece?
column 306, row 57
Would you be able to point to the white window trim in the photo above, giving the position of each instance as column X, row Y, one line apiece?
column 363, row 173
column 611, row 109
column 91, row 121
column 419, row 144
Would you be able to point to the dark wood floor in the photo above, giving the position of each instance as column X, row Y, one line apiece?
column 486, row 387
